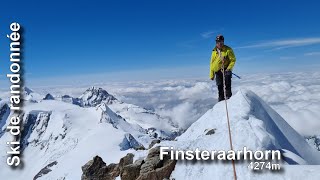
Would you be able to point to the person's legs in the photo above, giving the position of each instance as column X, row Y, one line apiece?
column 221, row 93
column 228, row 77
column 219, row 82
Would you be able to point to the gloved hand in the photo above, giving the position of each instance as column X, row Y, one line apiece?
column 212, row 79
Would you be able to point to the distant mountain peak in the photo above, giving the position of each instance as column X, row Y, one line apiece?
column 94, row 96
column 27, row 90
column 48, row 97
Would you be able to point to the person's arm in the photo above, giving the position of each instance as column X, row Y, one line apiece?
column 232, row 59
column 211, row 67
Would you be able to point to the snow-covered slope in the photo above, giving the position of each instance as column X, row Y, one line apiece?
column 63, row 136
column 60, row 136
column 157, row 126
column 254, row 125
column 30, row 95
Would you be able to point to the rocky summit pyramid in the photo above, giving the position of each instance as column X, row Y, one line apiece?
column 94, row 96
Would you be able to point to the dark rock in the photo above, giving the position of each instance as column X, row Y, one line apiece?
column 152, row 161
column 154, row 152
column 154, row 168
column 92, row 165
column 210, row 131
column 94, row 96
column 159, row 173
column 314, row 141
column 139, row 148
column 71, row 100
column 128, row 159
column 131, row 171
column 4, row 115
column 113, row 170
column 45, row 170
column 27, row 91
column 152, row 132
column 36, row 123
column 153, row 142
column 95, row 169
column 129, row 142
column 66, row 96
column 48, row 97
column 139, row 162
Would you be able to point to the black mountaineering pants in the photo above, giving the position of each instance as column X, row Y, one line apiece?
column 219, row 82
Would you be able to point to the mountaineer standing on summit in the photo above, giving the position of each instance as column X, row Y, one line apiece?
column 222, row 61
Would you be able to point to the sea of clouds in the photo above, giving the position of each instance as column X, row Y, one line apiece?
column 295, row 96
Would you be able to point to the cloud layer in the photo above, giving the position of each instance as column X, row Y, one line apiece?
column 295, row 96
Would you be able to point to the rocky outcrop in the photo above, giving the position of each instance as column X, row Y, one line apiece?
column 4, row 109
column 95, row 96
column 151, row 168
column 97, row 169
column 314, row 141
column 153, row 142
column 210, row 131
column 48, row 97
column 132, row 171
column 71, row 100
column 34, row 126
column 45, row 170
column 129, row 142
column 27, row 91
column 4, row 114
column 154, row 168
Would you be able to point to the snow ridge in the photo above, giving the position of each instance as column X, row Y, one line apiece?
column 287, row 138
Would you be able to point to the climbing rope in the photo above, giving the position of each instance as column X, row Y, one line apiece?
column 225, row 100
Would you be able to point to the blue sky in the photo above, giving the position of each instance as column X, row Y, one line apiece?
column 137, row 40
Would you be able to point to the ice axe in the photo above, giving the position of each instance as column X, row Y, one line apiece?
column 236, row 75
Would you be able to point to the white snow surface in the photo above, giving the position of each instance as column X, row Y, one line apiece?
column 84, row 138
column 72, row 135
column 254, row 125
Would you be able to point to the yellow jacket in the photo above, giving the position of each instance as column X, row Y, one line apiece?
column 216, row 63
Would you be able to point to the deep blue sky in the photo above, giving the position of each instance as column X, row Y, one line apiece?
column 131, row 37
